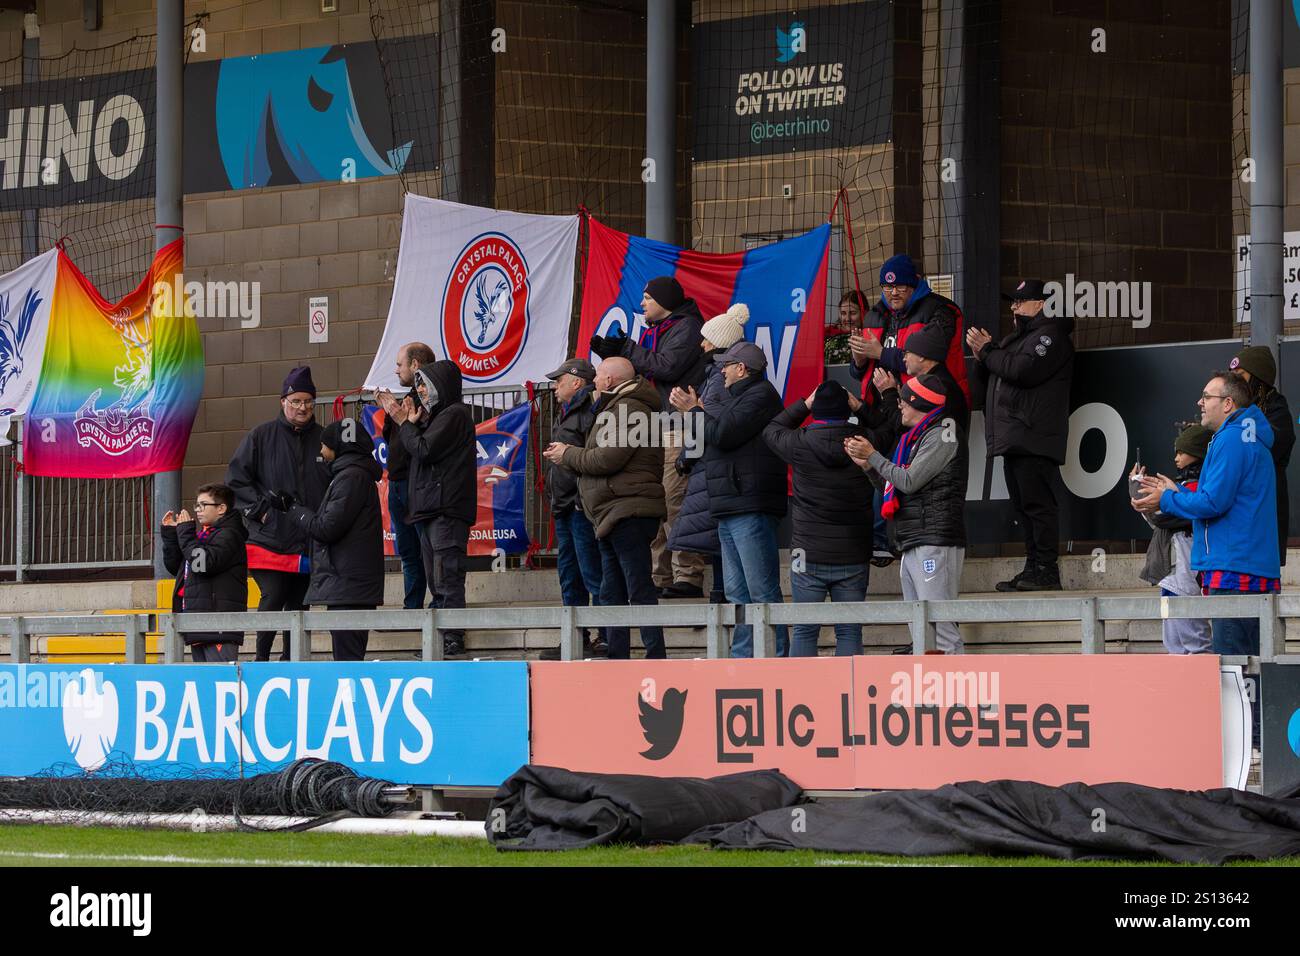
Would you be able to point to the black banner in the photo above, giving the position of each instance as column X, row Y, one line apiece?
column 813, row 79
column 1280, row 728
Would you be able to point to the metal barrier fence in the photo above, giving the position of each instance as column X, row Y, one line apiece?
column 485, row 404
column 1272, row 610
column 72, row 523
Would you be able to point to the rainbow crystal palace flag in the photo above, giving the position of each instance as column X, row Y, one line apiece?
column 120, row 383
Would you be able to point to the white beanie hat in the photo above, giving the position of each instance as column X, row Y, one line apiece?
column 727, row 329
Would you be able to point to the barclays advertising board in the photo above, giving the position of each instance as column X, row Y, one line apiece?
column 445, row 723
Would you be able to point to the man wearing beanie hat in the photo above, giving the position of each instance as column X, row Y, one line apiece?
column 924, row 484
column 925, row 354
column 276, row 461
column 1256, row 365
column 347, row 533
column 906, row 305
column 1175, row 576
column 1022, row 382
column 668, row 355
column 831, row 512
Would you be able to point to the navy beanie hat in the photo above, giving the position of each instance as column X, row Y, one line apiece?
column 299, row 380
column 830, row 401
column 899, row 270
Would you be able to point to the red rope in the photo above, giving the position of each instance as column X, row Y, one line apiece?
column 341, row 400
column 853, row 253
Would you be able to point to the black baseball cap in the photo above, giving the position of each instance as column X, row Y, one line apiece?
column 1026, row 291
column 575, row 366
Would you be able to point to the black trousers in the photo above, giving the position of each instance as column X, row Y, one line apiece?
column 281, row 591
column 444, row 547
column 626, row 579
column 214, row 653
column 350, row 645
column 1031, row 483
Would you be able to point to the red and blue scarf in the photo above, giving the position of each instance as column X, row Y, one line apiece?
column 902, row 452
column 650, row 336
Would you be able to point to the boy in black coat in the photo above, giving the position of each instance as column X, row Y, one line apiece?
column 347, row 534
column 210, row 562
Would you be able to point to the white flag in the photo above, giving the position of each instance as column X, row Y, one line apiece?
column 492, row 291
column 25, row 297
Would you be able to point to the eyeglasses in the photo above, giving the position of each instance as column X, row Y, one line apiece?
column 200, row 505
column 888, row 287
column 299, row 403
column 1206, row 396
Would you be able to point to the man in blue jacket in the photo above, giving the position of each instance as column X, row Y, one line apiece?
column 1233, row 510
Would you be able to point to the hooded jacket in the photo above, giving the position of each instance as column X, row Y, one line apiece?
column 1233, row 512
column 1278, row 413
column 572, row 423
column 1160, row 562
column 744, row 475
column 892, row 328
column 217, row 578
column 832, row 496
column 276, row 456
column 675, row 357
column 443, row 480
column 347, row 532
column 619, row 477
column 1023, row 385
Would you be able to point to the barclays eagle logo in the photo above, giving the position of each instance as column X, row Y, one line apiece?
column 13, row 336
column 492, row 307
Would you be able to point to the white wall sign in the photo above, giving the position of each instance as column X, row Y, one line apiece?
column 1290, row 277
column 318, row 319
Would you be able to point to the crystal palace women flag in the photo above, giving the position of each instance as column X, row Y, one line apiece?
column 784, row 285
column 491, row 291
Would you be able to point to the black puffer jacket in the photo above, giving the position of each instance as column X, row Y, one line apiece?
column 744, row 475
column 443, row 480
column 832, row 496
column 218, row 572
column 1023, row 385
column 676, row 358
column 347, row 532
column 572, row 424
column 935, row 513
column 696, row 530
column 276, row 456
column 1278, row 413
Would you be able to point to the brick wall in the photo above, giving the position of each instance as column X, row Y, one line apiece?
column 1115, row 165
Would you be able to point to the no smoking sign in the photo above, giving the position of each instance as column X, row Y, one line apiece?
column 318, row 319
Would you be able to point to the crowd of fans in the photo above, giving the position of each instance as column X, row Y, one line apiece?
column 872, row 475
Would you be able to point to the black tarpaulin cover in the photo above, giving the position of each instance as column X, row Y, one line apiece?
column 546, row 808
column 1071, row 822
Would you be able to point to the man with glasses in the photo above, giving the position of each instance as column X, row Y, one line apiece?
column 276, row 465
column 1233, row 509
column 1022, row 382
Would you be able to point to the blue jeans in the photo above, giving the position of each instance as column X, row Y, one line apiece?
column 625, row 579
column 578, row 561
column 408, row 546
column 879, row 525
column 1238, row 635
column 751, row 573
column 843, row 582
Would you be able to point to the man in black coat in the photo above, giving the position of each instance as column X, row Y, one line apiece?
column 1257, row 367
column 410, row 359
column 438, row 433
column 830, row 549
column 747, row 487
column 280, row 458
column 578, row 557
column 668, row 355
column 924, row 354
column 347, row 534
column 1023, row 384
column 210, row 562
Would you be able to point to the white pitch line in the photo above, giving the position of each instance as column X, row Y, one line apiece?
column 172, row 858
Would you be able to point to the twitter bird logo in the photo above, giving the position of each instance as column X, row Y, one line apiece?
column 789, row 45
column 662, row 726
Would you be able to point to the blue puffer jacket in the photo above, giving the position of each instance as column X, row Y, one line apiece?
column 695, row 529
column 1234, row 508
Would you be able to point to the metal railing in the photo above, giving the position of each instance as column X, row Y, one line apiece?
column 71, row 523
column 1272, row 610
column 485, row 404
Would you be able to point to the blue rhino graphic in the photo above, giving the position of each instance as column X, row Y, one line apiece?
column 298, row 105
